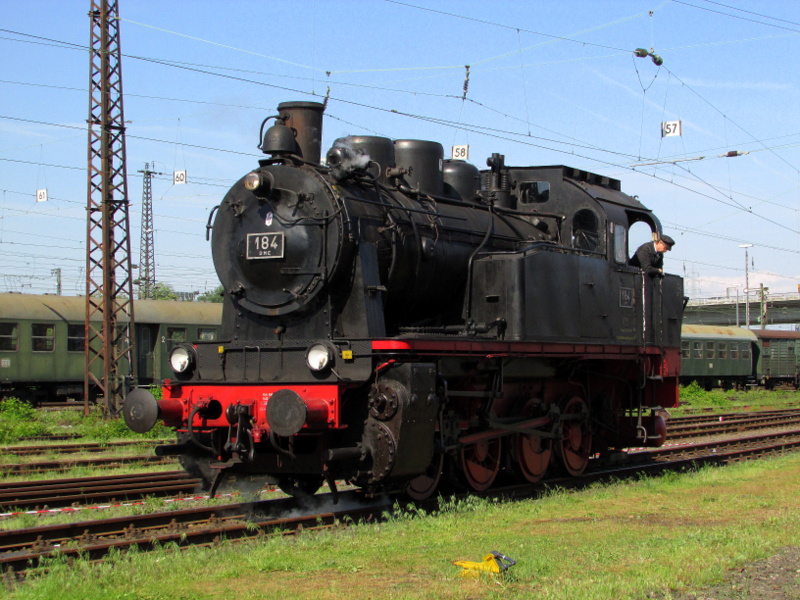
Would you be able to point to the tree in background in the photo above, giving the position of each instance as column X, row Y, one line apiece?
column 164, row 291
column 214, row 295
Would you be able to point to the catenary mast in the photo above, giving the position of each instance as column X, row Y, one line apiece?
column 147, row 263
column 109, row 289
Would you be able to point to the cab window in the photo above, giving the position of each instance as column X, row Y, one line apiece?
column 534, row 192
column 620, row 237
column 585, row 230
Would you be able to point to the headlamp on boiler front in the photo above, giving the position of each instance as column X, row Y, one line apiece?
column 319, row 357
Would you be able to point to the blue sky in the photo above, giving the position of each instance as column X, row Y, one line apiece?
column 550, row 82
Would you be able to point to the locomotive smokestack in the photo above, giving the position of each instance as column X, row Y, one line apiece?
column 305, row 118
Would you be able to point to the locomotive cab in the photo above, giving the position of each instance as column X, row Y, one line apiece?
column 584, row 273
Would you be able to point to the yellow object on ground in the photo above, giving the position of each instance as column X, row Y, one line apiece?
column 494, row 562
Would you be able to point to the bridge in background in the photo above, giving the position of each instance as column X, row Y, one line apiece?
column 774, row 309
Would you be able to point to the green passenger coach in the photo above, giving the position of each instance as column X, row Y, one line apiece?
column 778, row 361
column 42, row 341
column 718, row 356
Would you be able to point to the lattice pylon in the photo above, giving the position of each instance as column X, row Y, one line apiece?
column 109, row 289
column 147, row 262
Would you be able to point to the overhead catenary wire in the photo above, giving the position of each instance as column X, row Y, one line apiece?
column 484, row 106
column 361, row 104
column 796, row 29
column 710, row 104
column 477, row 129
column 443, row 121
column 493, row 132
column 609, row 162
column 512, row 27
column 66, row 44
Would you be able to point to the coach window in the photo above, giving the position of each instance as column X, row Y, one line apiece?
column 175, row 335
column 734, row 350
column 697, row 349
column 746, row 351
column 722, row 350
column 42, row 337
column 206, row 334
column 76, row 337
column 684, row 349
column 8, row 336
column 709, row 349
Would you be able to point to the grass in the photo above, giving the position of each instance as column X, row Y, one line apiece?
column 694, row 397
column 18, row 420
column 630, row 540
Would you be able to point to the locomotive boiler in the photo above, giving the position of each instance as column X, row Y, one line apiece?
column 401, row 321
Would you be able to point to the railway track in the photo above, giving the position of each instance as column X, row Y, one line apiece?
column 710, row 417
column 88, row 447
column 93, row 540
column 102, row 462
column 51, row 437
column 726, row 424
column 24, row 549
column 55, row 493
column 46, row 495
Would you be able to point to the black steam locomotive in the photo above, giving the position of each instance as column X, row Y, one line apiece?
column 399, row 320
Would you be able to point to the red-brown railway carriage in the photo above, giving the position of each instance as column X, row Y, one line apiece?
column 394, row 319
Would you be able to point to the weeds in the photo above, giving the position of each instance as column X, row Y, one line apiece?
column 693, row 396
column 20, row 420
column 16, row 409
